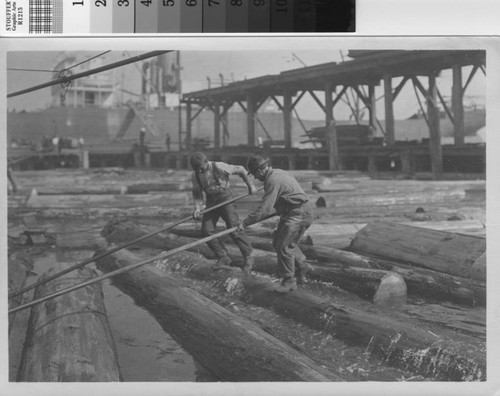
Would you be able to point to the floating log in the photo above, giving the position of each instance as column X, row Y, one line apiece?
column 440, row 251
column 144, row 188
column 478, row 271
column 34, row 232
column 332, row 200
column 233, row 348
column 331, row 185
column 88, row 240
column 337, row 266
column 109, row 201
column 421, row 282
column 339, row 234
column 467, row 321
column 19, row 266
column 156, row 211
column 118, row 232
column 395, row 342
column 362, row 276
column 68, row 337
column 78, row 190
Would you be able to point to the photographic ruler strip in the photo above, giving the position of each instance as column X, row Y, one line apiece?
column 107, row 17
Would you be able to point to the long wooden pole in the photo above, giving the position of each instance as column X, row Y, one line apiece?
column 129, row 267
column 119, row 247
column 89, row 72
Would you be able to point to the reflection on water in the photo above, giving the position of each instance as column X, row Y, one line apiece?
column 145, row 351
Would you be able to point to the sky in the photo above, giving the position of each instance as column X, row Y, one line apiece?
column 234, row 65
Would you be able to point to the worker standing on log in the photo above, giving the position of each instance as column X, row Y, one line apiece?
column 283, row 194
column 212, row 178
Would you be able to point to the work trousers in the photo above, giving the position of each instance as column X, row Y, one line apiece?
column 291, row 228
column 230, row 217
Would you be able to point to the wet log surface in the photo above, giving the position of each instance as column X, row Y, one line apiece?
column 19, row 266
column 232, row 348
column 397, row 343
column 430, row 317
column 68, row 337
column 105, row 201
column 440, row 251
column 353, row 272
column 360, row 274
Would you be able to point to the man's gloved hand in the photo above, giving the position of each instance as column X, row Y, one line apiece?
column 196, row 214
column 252, row 190
column 241, row 226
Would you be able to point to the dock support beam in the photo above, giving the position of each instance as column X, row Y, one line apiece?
column 331, row 131
column 389, row 111
column 372, row 109
column 251, row 120
column 458, row 106
column 225, row 126
column 187, row 144
column 217, row 118
column 287, row 119
column 434, row 130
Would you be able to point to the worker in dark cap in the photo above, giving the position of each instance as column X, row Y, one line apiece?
column 283, row 195
column 212, row 178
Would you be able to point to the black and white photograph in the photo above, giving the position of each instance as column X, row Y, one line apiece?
column 302, row 215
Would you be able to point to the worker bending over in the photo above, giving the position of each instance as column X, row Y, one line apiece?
column 283, row 195
column 212, row 178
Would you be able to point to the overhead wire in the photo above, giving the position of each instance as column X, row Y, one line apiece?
column 31, row 70
column 87, row 60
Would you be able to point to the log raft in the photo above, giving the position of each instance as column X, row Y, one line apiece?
column 446, row 252
column 233, row 349
column 69, row 338
column 396, row 343
column 355, row 273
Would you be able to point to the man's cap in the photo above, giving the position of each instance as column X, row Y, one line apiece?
column 197, row 160
column 255, row 162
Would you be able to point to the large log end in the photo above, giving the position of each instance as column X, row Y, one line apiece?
column 392, row 291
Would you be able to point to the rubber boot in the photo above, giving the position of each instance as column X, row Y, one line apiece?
column 288, row 284
column 222, row 262
column 248, row 263
column 301, row 271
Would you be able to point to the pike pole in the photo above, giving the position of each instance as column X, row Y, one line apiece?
column 122, row 246
column 129, row 267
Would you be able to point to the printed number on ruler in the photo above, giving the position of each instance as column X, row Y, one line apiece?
column 98, row 3
column 191, row 3
column 236, row 3
column 168, row 3
column 259, row 3
column 123, row 3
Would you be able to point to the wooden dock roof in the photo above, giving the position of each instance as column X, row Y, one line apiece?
column 370, row 68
